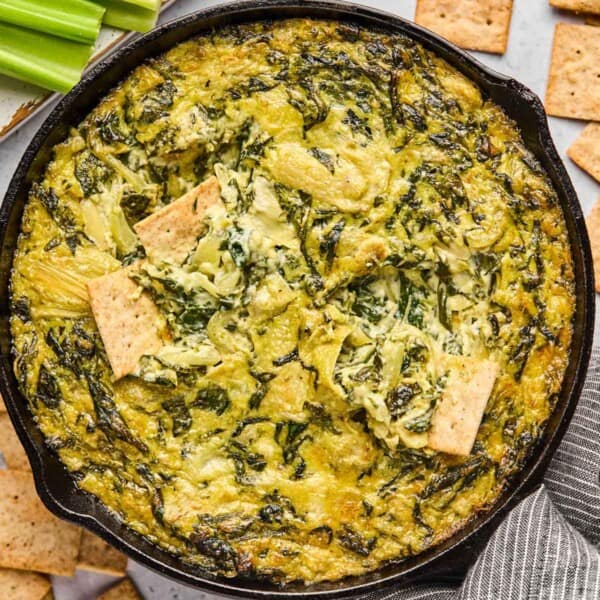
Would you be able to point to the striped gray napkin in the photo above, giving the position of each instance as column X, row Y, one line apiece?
column 548, row 546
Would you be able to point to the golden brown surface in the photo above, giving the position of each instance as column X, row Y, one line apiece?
column 31, row 537
column 128, row 321
column 586, row 6
column 457, row 417
column 10, row 445
column 96, row 555
column 23, row 585
column 376, row 216
column 592, row 222
column 472, row 24
column 574, row 81
column 125, row 590
column 585, row 150
column 173, row 231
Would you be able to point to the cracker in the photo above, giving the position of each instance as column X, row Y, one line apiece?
column 593, row 226
column 172, row 232
column 585, row 151
column 23, row 585
column 574, row 82
column 10, row 446
column 125, row 590
column 98, row 556
column 588, row 6
column 129, row 322
column 456, row 419
column 471, row 24
column 30, row 536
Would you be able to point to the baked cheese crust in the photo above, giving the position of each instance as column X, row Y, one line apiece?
column 377, row 220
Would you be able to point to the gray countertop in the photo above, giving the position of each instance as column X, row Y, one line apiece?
column 527, row 59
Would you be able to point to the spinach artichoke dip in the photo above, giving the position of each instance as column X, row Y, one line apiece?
column 293, row 301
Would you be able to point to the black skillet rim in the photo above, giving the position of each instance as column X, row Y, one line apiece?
column 56, row 488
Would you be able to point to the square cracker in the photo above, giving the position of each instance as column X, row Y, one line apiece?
column 592, row 222
column 10, row 446
column 456, row 419
column 30, row 536
column 574, row 82
column 129, row 322
column 588, row 6
column 23, row 585
column 172, row 232
column 471, row 24
column 98, row 556
column 585, row 150
column 125, row 590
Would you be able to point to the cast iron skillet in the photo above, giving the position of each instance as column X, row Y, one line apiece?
column 54, row 484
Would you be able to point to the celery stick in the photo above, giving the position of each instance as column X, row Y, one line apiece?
column 77, row 20
column 147, row 4
column 124, row 15
column 45, row 60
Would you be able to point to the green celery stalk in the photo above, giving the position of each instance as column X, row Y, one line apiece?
column 77, row 20
column 48, row 61
column 124, row 15
column 147, row 4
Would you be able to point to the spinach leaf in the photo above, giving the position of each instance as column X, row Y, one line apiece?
column 271, row 513
column 445, row 288
column 21, row 308
column 111, row 128
column 291, row 442
column 457, row 477
column 245, row 423
column 366, row 304
column 109, row 418
column 195, row 317
column 254, row 149
column 212, row 397
column 261, row 390
column 309, row 102
column 135, row 207
column 217, row 549
column 398, row 399
column 352, row 540
column 357, row 124
column 74, row 347
column 180, row 415
column 91, row 173
column 277, row 509
column 520, row 354
column 324, row 158
column 409, row 303
column 62, row 215
column 298, row 206
column 286, row 358
column 420, row 423
column 320, row 417
column 48, row 391
column 156, row 101
column 253, row 85
column 329, row 243
column 243, row 458
column 237, row 245
column 405, row 461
